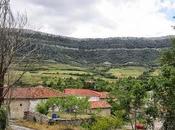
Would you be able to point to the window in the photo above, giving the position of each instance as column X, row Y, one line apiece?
column 20, row 104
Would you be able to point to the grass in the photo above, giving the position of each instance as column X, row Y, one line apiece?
column 132, row 71
column 37, row 126
column 156, row 72
column 35, row 74
column 70, row 116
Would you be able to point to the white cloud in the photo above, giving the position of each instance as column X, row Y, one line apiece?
column 102, row 18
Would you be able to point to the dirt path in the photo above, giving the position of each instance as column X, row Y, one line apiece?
column 16, row 127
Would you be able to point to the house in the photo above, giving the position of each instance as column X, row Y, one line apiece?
column 97, row 100
column 100, row 107
column 26, row 99
column 91, row 94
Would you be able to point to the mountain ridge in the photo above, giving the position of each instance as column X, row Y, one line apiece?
column 114, row 50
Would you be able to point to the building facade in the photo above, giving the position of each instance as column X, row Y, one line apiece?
column 26, row 99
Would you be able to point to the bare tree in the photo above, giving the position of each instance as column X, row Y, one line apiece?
column 12, row 44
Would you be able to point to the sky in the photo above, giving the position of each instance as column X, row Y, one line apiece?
column 99, row 18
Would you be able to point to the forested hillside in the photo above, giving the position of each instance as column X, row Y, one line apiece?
column 116, row 51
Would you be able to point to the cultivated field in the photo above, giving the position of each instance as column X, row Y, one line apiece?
column 133, row 71
column 37, row 72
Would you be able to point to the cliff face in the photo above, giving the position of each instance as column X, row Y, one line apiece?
column 126, row 50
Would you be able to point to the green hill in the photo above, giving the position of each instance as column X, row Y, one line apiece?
column 115, row 51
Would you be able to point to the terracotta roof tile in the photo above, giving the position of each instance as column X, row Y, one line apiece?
column 86, row 92
column 38, row 92
column 99, row 104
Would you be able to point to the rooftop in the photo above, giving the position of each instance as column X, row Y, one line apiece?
column 38, row 92
column 99, row 104
column 86, row 92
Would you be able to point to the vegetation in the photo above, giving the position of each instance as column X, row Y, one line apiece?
column 147, row 97
column 163, row 87
column 3, row 119
column 69, row 104
column 134, row 51
column 42, row 108
column 106, row 123
column 128, row 71
column 60, row 75
column 37, row 126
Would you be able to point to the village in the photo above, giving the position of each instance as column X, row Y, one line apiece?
column 87, row 65
column 26, row 99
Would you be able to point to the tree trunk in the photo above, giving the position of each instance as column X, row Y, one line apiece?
column 131, row 122
column 1, row 90
column 135, row 118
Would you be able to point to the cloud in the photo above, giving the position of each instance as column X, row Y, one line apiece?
column 99, row 18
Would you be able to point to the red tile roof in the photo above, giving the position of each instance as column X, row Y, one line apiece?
column 86, row 92
column 38, row 92
column 99, row 104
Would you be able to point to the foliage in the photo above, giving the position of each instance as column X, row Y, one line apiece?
column 42, row 107
column 61, row 84
column 76, row 105
column 163, row 87
column 130, row 94
column 114, row 50
column 168, row 56
column 3, row 119
column 106, row 123
column 70, row 104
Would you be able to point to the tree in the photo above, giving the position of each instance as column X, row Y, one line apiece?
column 106, row 123
column 71, row 104
column 164, row 88
column 76, row 105
column 130, row 94
column 12, row 44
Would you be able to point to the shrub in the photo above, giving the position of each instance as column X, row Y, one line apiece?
column 3, row 117
column 42, row 108
column 106, row 123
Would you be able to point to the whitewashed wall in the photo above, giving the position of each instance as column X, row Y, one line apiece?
column 94, row 99
column 33, row 104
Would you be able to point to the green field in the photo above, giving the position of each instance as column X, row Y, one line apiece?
column 35, row 73
column 133, row 71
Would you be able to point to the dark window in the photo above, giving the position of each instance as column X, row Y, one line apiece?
column 20, row 104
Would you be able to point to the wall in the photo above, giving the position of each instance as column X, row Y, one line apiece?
column 43, row 119
column 36, row 117
column 17, row 108
column 93, row 99
column 102, row 111
column 33, row 104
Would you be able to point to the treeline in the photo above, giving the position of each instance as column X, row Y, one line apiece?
column 82, row 82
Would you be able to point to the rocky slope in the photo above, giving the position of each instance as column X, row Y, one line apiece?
column 117, row 51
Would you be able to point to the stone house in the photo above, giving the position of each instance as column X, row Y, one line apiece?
column 26, row 99
column 98, row 103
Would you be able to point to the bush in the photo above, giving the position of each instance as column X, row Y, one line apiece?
column 42, row 108
column 3, row 117
column 106, row 123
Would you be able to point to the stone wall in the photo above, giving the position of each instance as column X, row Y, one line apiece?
column 43, row 119
column 102, row 111
column 36, row 117
column 17, row 108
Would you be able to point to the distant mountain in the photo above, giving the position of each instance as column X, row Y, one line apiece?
column 115, row 51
